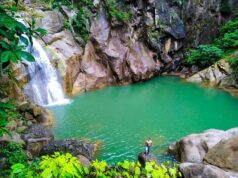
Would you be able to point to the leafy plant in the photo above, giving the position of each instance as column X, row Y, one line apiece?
column 5, row 108
column 12, row 153
column 60, row 166
column 229, row 27
column 25, row 170
column 65, row 165
column 233, row 61
column 229, row 40
column 80, row 22
column 15, row 37
column 205, row 55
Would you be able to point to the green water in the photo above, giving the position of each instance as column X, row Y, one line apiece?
column 164, row 109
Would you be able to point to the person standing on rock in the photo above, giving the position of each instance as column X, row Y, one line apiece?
column 148, row 145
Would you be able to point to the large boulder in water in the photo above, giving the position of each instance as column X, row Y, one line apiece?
column 194, row 147
column 224, row 154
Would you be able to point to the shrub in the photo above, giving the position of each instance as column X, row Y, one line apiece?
column 229, row 27
column 65, row 166
column 11, row 33
column 25, row 170
column 80, row 22
column 60, row 166
column 205, row 55
column 114, row 11
column 233, row 61
column 13, row 153
column 229, row 40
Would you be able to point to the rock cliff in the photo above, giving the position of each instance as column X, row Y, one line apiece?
column 154, row 41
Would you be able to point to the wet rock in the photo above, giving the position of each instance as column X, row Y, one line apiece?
column 36, row 137
column 194, row 147
column 198, row 170
column 71, row 146
column 143, row 158
column 224, row 154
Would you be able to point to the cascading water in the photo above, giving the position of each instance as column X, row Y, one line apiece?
column 44, row 87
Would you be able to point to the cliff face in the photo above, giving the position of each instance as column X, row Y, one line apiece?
column 153, row 42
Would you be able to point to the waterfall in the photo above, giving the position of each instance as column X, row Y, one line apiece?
column 44, row 87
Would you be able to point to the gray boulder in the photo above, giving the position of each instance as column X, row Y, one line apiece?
column 224, row 154
column 198, row 170
column 36, row 137
column 194, row 147
column 74, row 147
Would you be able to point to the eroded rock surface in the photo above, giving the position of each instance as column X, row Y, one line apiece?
column 194, row 147
column 198, row 170
column 212, row 75
column 36, row 137
column 224, row 154
column 74, row 147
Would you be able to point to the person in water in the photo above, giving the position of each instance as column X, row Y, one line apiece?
column 148, row 145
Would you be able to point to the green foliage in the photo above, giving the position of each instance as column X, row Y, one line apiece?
column 233, row 61
column 11, row 33
column 25, row 170
column 229, row 27
column 229, row 40
column 80, row 22
column 67, row 166
column 5, row 114
column 114, row 10
column 13, row 153
column 205, row 55
column 60, row 166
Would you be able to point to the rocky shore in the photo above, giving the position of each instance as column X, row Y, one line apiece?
column 34, row 133
column 212, row 153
